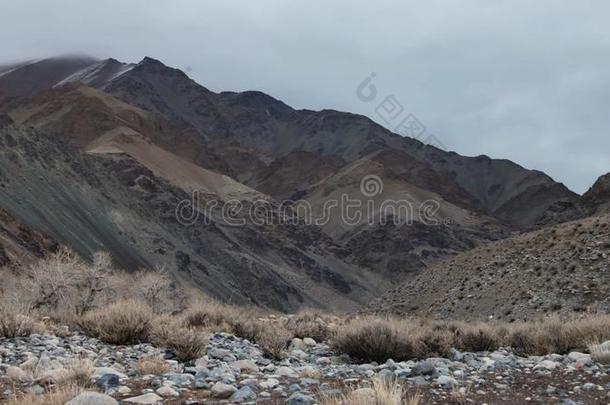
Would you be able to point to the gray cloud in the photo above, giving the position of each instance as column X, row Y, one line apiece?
column 528, row 81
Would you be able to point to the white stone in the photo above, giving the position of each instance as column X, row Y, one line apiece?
column 167, row 392
column 145, row 399
column 92, row 398
column 309, row 342
column 285, row 372
column 222, row 391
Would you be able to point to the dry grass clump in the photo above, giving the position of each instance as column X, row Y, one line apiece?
column 374, row 339
column 154, row 365
column 272, row 337
column 478, row 337
column 186, row 343
column 16, row 319
column 311, row 324
column 382, row 393
column 555, row 335
column 121, row 323
column 212, row 316
column 80, row 373
column 433, row 342
column 56, row 397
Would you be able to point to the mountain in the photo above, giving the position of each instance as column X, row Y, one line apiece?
column 121, row 196
column 253, row 130
column 28, row 78
column 563, row 268
column 597, row 198
column 107, row 151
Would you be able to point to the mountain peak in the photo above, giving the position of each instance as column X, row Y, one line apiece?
column 152, row 65
column 599, row 193
column 150, row 61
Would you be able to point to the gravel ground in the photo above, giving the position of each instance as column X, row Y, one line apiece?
column 236, row 371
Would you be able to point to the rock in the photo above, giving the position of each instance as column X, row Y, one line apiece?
column 244, row 366
column 446, row 382
column 547, row 365
column 221, row 354
column 309, row 342
column 181, row 380
column 107, row 382
column 386, row 375
column 201, row 362
column 425, row 367
column 92, row 398
column 145, row 399
column 167, row 392
column 100, row 371
column 222, row 390
column 581, row 358
column 244, row 394
column 323, row 361
column 285, row 372
column 270, row 383
column 300, row 399
column 589, row 387
column 296, row 344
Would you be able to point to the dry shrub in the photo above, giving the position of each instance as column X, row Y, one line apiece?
column 58, row 396
column 154, row 365
column 272, row 337
column 477, row 337
column 63, row 284
column 80, row 372
column 187, row 343
column 212, row 316
column 373, row 339
column 555, row 335
column 156, row 288
column 435, row 342
column 16, row 319
column 120, row 323
column 311, row 324
column 382, row 393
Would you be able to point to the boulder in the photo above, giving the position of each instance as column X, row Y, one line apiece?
column 222, row 390
column 92, row 398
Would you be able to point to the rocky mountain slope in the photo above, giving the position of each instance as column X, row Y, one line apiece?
column 252, row 130
column 98, row 154
column 563, row 268
column 119, row 199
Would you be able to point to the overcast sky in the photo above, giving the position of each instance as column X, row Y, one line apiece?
column 523, row 80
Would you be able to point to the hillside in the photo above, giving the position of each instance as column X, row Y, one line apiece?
column 563, row 268
column 107, row 151
column 251, row 131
